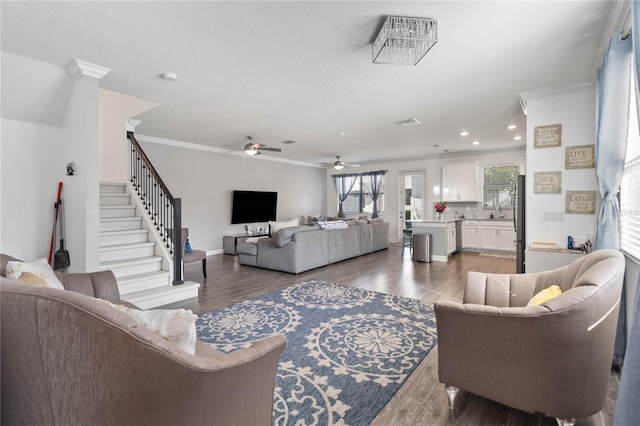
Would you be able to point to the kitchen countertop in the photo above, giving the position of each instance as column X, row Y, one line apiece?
column 432, row 222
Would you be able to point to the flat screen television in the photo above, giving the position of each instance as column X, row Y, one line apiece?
column 253, row 206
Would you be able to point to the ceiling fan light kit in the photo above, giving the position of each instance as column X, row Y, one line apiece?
column 404, row 41
column 254, row 148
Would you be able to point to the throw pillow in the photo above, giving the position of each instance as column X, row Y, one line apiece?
column 376, row 220
column 361, row 221
column 177, row 326
column 275, row 226
column 39, row 268
column 545, row 295
column 32, row 279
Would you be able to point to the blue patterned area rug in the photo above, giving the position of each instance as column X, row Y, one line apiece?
column 348, row 349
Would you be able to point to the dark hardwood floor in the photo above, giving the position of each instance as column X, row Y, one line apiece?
column 421, row 400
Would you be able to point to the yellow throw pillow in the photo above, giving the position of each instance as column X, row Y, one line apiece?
column 544, row 295
column 32, row 279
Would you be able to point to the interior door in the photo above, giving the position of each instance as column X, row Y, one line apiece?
column 411, row 198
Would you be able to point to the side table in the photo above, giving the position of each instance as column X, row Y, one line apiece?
column 230, row 242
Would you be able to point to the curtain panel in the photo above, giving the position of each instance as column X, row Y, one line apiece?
column 373, row 182
column 344, row 185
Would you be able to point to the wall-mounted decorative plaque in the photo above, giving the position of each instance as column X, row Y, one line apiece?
column 547, row 136
column 547, row 182
column 581, row 202
column 580, row 157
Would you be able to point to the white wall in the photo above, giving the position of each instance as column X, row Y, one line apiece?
column 115, row 109
column 392, row 210
column 31, row 165
column 205, row 180
column 34, row 158
column 573, row 108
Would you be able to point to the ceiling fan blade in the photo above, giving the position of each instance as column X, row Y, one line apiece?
column 263, row 148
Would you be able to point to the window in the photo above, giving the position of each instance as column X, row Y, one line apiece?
column 359, row 201
column 630, row 189
column 499, row 186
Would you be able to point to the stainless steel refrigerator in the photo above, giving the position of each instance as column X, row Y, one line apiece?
column 519, row 223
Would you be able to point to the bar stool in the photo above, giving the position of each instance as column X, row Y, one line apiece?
column 407, row 237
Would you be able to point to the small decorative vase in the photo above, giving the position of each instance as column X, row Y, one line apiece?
column 439, row 216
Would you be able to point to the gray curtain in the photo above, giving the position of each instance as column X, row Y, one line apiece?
column 627, row 407
column 373, row 182
column 344, row 185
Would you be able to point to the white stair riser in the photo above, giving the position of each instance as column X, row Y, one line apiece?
column 126, row 253
column 124, row 211
column 121, row 225
column 123, row 271
column 116, row 188
column 117, row 200
column 164, row 299
column 138, row 237
column 144, row 285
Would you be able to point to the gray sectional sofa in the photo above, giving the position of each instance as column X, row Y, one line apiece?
column 300, row 248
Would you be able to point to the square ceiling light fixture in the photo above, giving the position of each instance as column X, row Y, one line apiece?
column 404, row 41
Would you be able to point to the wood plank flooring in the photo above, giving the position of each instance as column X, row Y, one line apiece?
column 421, row 400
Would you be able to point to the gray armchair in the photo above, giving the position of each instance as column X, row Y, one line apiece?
column 195, row 256
column 553, row 359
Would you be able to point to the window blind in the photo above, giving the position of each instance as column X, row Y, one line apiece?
column 630, row 189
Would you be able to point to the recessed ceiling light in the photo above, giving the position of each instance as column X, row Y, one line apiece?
column 475, row 143
column 341, row 133
column 511, row 126
column 517, row 138
column 464, row 133
column 170, row 76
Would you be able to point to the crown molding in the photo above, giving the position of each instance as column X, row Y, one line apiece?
column 216, row 150
column 78, row 68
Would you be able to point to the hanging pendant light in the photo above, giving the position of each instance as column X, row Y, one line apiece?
column 445, row 188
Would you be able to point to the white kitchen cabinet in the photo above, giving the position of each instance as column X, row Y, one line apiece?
column 488, row 237
column 451, row 238
column 470, row 234
column 460, row 182
column 497, row 236
column 506, row 239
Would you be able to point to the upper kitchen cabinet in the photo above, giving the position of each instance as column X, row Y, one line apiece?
column 460, row 182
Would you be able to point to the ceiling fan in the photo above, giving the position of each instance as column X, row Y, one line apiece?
column 339, row 164
column 252, row 148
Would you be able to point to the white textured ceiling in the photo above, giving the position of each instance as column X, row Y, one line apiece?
column 302, row 70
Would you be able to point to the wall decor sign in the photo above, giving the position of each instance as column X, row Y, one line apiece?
column 581, row 202
column 547, row 182
column 580, row 157
column 547, row 136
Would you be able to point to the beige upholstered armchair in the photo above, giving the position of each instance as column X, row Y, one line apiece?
column 552, row 359
column 69, row 359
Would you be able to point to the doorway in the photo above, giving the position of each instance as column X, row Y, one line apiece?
column 411, row 202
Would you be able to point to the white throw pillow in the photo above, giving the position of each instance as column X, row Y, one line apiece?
column 178, row 326
column 40, row 268
column 275, row 226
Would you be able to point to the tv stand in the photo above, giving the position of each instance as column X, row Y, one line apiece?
column 230, row 242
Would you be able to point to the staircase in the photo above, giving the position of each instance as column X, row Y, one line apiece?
column 128, row 248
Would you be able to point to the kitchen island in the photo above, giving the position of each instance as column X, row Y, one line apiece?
column 445, row 236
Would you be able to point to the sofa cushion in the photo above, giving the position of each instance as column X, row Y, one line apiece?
column 361, row 222
column 376, row 220
column 284, row 235
column 39, row 268
column 247, row 248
